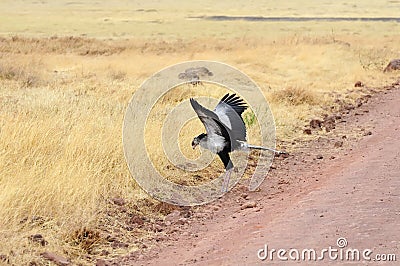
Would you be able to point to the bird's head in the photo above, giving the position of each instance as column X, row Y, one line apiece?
column 196, row 141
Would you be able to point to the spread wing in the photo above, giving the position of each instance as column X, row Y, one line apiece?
column 210, row 120
column 229, row 111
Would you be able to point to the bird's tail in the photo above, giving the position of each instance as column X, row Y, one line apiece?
column 255, row 147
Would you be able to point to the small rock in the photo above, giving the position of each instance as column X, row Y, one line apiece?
column 3, row 258
column 338, row 144
column 159, row 238
column 141, row 245
column 366, row 97
column 104, row 252
column 329, row 122
column 367, row 133
column 393, row 65
column 329, row 119
column 136, row 220
column 57, row 259
column 319, row 156
column 173, row 217
column 359, row 84
column 349, row 107
column 245, row 195
column 338, row 116
column 182, row 221
column 38, row 220
column 197, row 177
column 157, row 228
column 249, row 204
column 284, row 155
column 38, row 238
column 307, row 131
column 118, row 201
column 111, row 238
column 119, row 244
column 122, row 209
column 173, row 230
column 315, row 123
column 329, row 126
column 186, row 212
column 101, row 262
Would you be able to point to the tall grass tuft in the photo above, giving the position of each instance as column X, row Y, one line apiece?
column 295, row 96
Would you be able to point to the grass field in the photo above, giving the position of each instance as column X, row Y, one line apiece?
column 69, row 69
column 126, row 18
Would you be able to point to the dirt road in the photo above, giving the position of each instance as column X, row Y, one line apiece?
column 325, row 192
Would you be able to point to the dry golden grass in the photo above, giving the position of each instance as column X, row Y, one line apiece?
column 61, row 153
column 62, row 102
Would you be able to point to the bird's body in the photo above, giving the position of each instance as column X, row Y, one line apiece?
column 215, row 144
column 225, row 128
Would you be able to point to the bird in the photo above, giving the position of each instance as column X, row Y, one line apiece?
column 226, row 131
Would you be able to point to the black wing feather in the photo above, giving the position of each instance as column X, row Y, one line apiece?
column 224, row 98
column 235, row 102
column 224, row 156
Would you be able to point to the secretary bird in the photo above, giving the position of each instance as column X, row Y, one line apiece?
column 226, row 131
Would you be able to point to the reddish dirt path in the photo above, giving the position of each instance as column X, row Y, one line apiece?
column 306, row 203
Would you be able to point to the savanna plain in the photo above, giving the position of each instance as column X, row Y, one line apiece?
column 69, row 68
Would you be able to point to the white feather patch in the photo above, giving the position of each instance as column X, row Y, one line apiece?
column 215, row 143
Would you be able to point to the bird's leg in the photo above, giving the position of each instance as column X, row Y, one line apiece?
column 225, row 183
